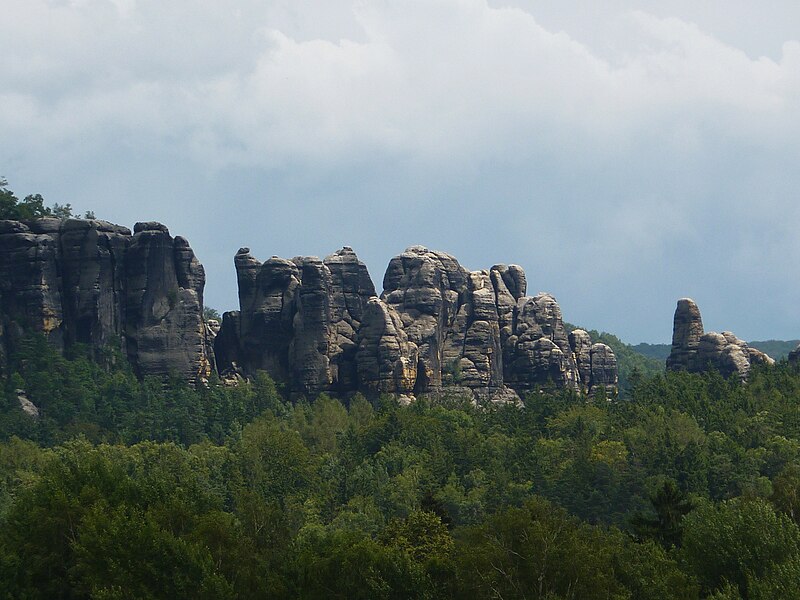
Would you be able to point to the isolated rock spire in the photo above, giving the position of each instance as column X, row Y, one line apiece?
column 695, row 351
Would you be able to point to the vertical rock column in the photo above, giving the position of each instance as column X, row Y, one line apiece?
column 426, row 288
column 165, row 331
column 93, row 274
column 687, row 329
column 30, row 284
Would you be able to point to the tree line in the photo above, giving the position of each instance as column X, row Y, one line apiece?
column 124, row 488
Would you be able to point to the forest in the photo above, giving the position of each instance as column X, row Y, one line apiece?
column 687, row 486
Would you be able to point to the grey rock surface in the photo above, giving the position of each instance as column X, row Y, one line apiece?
column 695, row 351
column 687, row 329
column 28, row 407
column 298, row 320
column 92, row 282
column 604, row 369
column 386, row 359
column 794, row 355
column 164, row 328
column 435, row 328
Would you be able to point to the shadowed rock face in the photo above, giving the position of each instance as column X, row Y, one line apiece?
column 298, row 320
column 695, row 351
column 92, row 282
column 794, row 355
column 164, row 324
column 386, row 360
column 436, row 326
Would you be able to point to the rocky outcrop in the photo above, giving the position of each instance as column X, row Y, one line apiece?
column 319, row 325
column 28, row 407
column 596, row 363
column 386, row 360
column 794, row 355
column 164, row 327
column 695, row 351
column 298, row 320
column 95, row 283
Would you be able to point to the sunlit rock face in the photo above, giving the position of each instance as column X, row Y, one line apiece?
column 695, row 351
column 436, row 327
column 94, row 283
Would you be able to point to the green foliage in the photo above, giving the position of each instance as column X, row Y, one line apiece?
column 31, row 207
column 777, row 349
column 79, row 396
column 740, row 542
column 538, row 551
column 211, row 313
column 129, row 488
column 670, row 506
column 659, row 352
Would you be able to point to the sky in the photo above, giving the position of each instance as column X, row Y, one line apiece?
column 626, row 154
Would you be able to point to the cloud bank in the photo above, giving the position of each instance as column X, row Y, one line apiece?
column 621, row 179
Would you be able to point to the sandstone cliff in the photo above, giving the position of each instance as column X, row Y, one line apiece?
column 696, row 351
column 320, row 325
column 317, row 324
column 95, row 283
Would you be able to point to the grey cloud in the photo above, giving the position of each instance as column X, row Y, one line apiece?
column 622, row 173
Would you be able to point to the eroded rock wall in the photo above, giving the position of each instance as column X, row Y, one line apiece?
column 95, row 283
column 298, row 320
column 437, row 326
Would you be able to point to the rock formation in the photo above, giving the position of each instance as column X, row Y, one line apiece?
column 695, row 351
column 316, row 324
column 319, row 325
column 92, row 282
column 298, row 320
column 794, row 355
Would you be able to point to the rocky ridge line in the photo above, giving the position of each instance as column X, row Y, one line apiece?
column 435, row 328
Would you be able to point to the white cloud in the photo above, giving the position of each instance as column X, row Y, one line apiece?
column 440, row 79
column 607, row 159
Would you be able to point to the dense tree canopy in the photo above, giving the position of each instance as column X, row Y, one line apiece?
column 148, row 489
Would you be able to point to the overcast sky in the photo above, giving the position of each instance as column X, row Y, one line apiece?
column 626, row 154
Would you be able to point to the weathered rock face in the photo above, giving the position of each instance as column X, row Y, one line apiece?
column 695, row 351
column 386, row 360
column 30, row 294
column 164, row 325
column 427, row 288
column 604, row 369
column 687, row 329
column 320, row 325
column 92, row 282
column 299, row 320
column 794, row 355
